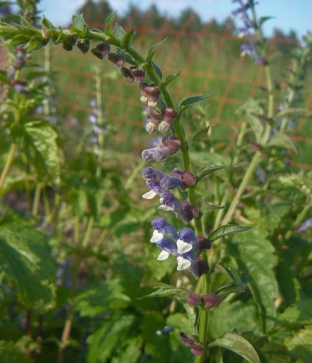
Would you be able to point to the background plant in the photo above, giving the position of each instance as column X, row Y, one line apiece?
column 97, row 230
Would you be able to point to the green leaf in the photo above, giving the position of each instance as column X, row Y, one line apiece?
column 226, row 230
column 204, row 158
column 280, row 139
column 129, row 59
column 164, row 290
column 112, row 335
column 4, row 78
column 196, row 135
column 170, row 78
column 18, row 39
column 12, row 352
column 236, row 316
column 207, row 207
column 96, row 300
column 239, row 345
column 300, row 344
column 37, row 140
column 35, row 43
column 152, row 51
column 206, row 170
column 45, row 22
column 231, row 272
column 157, row 70
column 299, row 313
column 109, row 23
column 263, row 19
column 254, row 255
column 126, row 40
column 26, row 258
column 192, row 101
column 26, row 23
column 118, row 32
column 294, row 112
column 78, row 23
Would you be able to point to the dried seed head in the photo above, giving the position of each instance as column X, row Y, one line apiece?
column 116, row 59
column 138, row 74
column 127, row 74
column 83, row 45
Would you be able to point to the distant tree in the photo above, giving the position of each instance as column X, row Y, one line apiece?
column 285, row 42
column 95, row 12
column 132, row 18
column 189, row 20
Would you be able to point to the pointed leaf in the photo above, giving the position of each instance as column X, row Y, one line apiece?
column 153, row 49
column 207, row 207
column 231, row 272
column 78, row 23
column 170, row 78
column 26, row 23
column 109, row 23
column 239, row 345
column 126, row 40
column 118, row 31
column 225, row 230
column 206, row 170
column 165, row 290
column 4, row 78
column 294, row 112
column 280, row 139
column 263, row 19
column 196, row 135
column 26, row 258
column 45, row 22
column 18, row 39
column 157, row 70
column 192, row 101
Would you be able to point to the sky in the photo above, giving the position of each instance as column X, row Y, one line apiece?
column 288, row 14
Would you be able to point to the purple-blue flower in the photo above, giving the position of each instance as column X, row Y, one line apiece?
column 170, row 203
column 306, row 225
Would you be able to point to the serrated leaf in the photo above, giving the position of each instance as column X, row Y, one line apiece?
column 254, row 255
column 263, row 19
column 208, row 207
column 78, row 23
column 96, row 300
column 300, row 344
column 196, row 135
column 237, row 344
column 126, row 40
column 231, row 272
column 112, row 334
column 226, row 230
column 109, row 23
column 26, row 258
column 152, row 51
column 38, row 140
column 192, row 101
column 299, row 313
column 118, row 31
column 206, row 170
column 280, row 139
column 170, row 78
column 294, row 112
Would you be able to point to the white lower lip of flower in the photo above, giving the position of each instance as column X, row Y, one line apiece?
column 183, row 264
column 157, row 236
column 163, row 256
column 165, row 208
column 149, row 195
column 183, row 247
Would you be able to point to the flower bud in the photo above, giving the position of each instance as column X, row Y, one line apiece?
column 169, row 183
column 169, row 114
column 83, row 45
column 150, row 173
column 116, row 59
column 202, row 268
column 72, row 39
column 164, row 127
column 189, row 210
column 161, row 154
column 127, row 74
column 203, row 243
column 138, row 74
column 197, row 349
column 151, row 128
column 155, row 114
column 189, row 179
column 46, row 33
column 152, row 93
column 103, row 48
column 177, row 174
column 148, row 154
column 67, row 45
column 194, row 299
column 143, row 97
column 172, row 143
column 211, row 301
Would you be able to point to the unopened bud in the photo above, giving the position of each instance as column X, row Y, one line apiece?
column 189, row 178
column 138, row 74
column 194, row 299
column 169, row 114
column 202, row 269
column 72, row 39
column 164, row 127
column 211, row 301
column 103, row 48
column 127, row 74
column 155, row 114
column 67, row 45
column 46, row 33
column 83, row 45
column 151, row 128
column 116, row 59
column 203, row 243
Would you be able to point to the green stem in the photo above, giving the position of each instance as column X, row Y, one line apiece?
column 7, row 164
column 99, row 119
column 88, row 230
column 36, row 200
column 204, row 316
